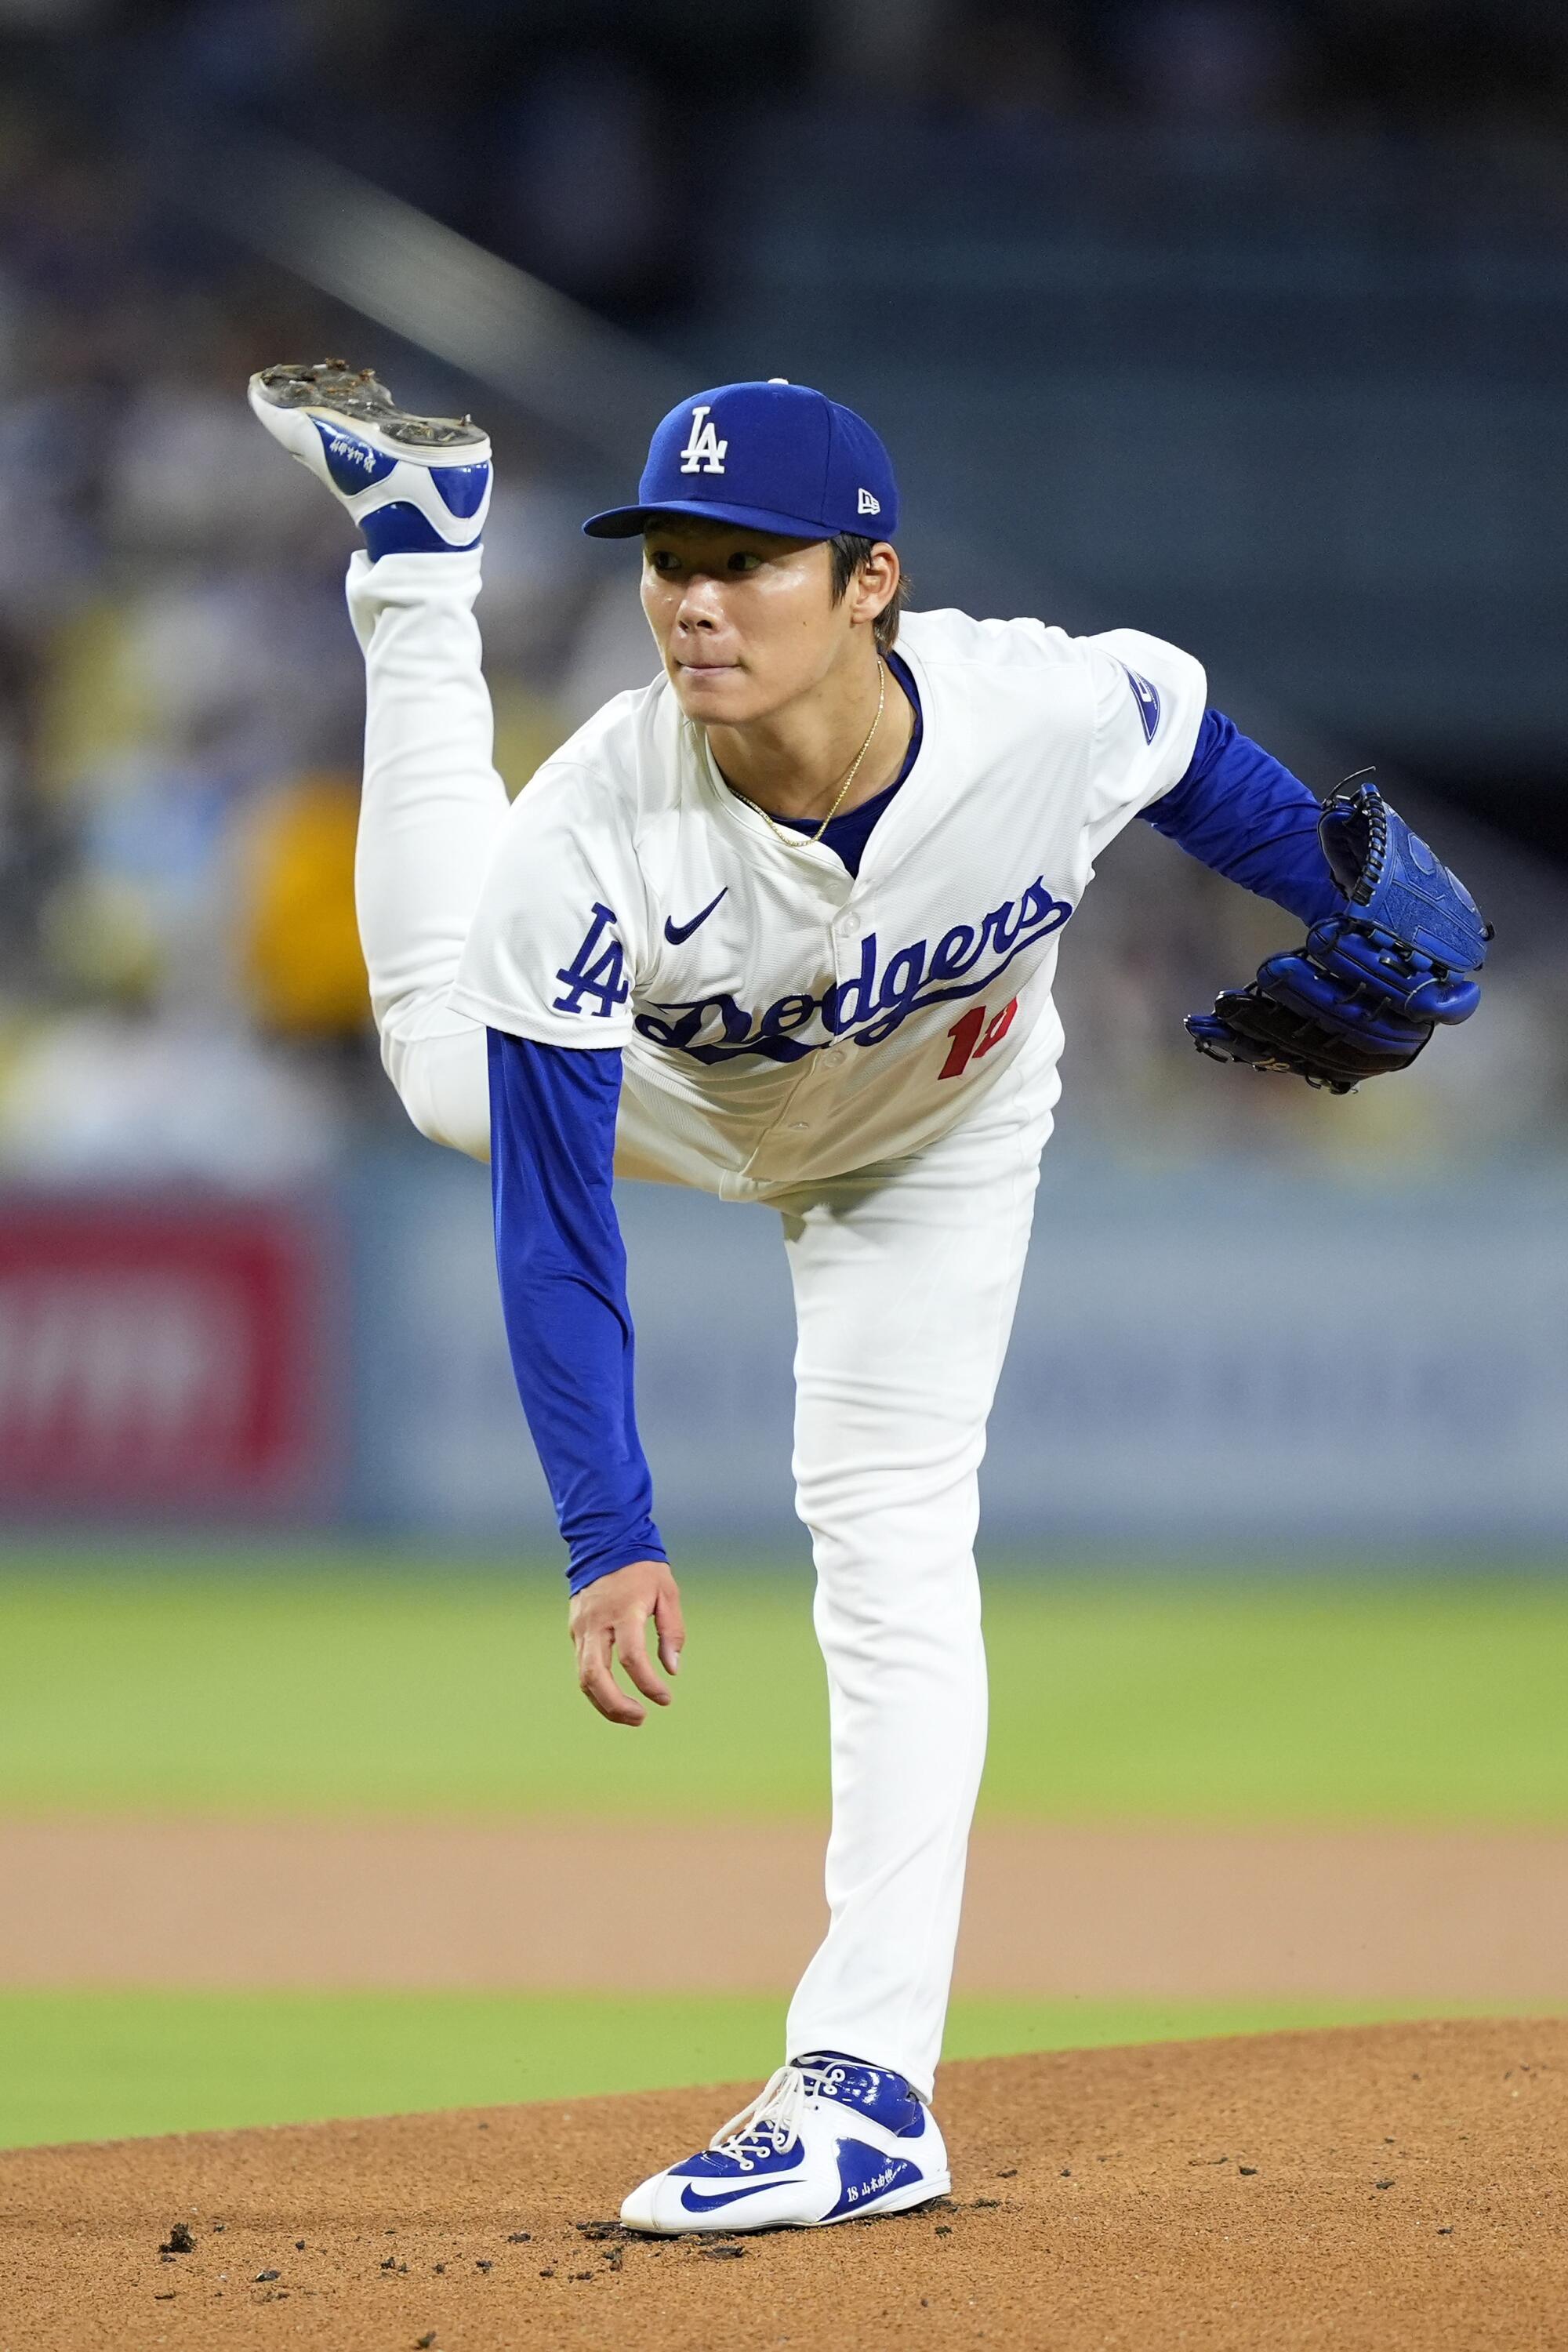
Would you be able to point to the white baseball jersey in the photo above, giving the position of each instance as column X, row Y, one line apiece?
column 783, row 1020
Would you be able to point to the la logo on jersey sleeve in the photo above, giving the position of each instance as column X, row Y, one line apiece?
column 598, row 970
column 1147, row 698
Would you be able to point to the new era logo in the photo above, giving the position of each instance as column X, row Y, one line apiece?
column 867, row 504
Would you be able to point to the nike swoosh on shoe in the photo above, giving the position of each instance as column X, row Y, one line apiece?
column 694, row 2203
column 676, row 933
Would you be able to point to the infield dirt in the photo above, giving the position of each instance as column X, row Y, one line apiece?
column 1445, row 1918
column 1398, row 2187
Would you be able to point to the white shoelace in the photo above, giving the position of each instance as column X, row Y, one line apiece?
column 773, row 2119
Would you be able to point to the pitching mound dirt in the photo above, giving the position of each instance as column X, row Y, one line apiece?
column 1389, row 2187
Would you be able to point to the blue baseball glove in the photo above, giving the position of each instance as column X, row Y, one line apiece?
column 1367, row 988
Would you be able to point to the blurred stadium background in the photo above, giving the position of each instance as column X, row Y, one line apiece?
column 1240, row 321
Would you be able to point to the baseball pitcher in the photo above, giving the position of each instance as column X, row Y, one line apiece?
column 783, row 926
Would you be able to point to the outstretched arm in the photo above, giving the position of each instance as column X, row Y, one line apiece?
column 1242, row 812
column 563, row 1292
column 1394, row 938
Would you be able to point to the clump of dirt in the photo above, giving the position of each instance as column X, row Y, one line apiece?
column 1384, row 2188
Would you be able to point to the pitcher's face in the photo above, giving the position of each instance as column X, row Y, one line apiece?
column 745, row 621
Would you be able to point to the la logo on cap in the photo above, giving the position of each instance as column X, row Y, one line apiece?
column 704, row 452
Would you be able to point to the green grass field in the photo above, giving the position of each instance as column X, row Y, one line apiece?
column 325, row 1689
column 108, row 2065
column 301, row 1683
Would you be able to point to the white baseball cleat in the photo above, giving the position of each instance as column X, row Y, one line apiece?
column 414, row 485
column 826, row 2140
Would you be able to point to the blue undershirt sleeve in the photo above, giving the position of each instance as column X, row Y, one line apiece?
column 1238, row 810
column 563, row 1268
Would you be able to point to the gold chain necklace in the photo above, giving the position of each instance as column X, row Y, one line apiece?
column 793, row 838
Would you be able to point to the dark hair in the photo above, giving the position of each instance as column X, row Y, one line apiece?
column 847, row 553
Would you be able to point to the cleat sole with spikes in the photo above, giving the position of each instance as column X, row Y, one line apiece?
column 414, row 485
column 333, row 388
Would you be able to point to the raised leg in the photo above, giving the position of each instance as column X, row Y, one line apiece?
column 431, row 811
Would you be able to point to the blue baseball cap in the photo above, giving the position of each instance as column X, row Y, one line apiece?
column 773, row 457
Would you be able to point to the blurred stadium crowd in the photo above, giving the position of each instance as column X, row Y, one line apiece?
column 180, row 696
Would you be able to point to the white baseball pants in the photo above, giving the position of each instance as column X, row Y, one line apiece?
column 905, row 1281
column 905, row 1277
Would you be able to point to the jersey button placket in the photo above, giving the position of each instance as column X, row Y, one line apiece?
column 847, row 926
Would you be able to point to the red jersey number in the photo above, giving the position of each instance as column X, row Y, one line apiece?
column 975, row 1034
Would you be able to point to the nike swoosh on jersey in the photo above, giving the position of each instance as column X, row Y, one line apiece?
column 676, row 933
column 1147, row 698
column 695, row 2204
